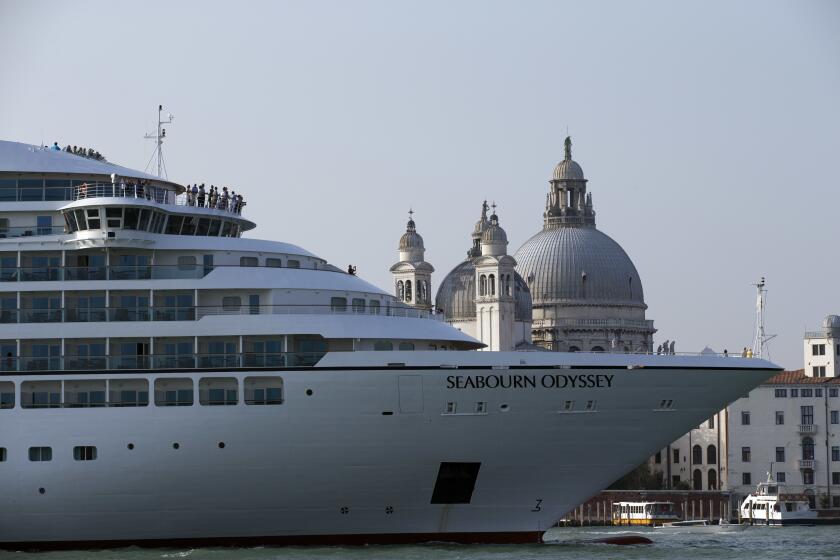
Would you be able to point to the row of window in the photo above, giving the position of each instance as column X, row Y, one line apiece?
column 147, row 219
column 819, row 349
column 808, row 453
column 86, row 393
column 806, row 416
column 696, row 455
column 807, row 392
column 807, row 478
column 38, row 454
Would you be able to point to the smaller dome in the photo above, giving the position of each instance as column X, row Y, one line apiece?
column 568, row 170
column 494, row 233
column 831, row 323
column 411, row 239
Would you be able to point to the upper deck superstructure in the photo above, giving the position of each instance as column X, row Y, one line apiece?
column 102, row 266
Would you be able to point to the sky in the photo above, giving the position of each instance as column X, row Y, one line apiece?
column 708, row 130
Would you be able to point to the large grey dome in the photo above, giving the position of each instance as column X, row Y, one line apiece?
column 578, row 265
column 456, row 294
column 831, row 323
column 568, row 170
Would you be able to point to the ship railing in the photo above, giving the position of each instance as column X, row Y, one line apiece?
column 30, row 231
column 122, row 190
column 221, row 205
column 230, row 360
column 95, row 314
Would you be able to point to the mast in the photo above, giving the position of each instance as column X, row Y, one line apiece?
column 761, row 339
column 158, row 138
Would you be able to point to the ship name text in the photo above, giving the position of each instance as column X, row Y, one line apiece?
column 548, row 381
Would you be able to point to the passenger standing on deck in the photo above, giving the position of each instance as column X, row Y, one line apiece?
column 194, row 194
column 201, row 196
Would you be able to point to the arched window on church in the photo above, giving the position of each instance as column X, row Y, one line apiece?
column 597, row 349
column 408, row 290
column 400, row 291
column 508, row 286
column 482, row 285
column 574, row 349
column 698, row 479
column 422, row 295
column 697, row 455
column 712, row 479
column 492, row 283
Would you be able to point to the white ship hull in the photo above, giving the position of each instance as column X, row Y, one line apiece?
column 336, row 467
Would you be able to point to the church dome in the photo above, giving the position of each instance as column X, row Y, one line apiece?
column 568, row 170
column 456, row 294
column 831, row 323
column 411, row 239
column 578, row 265
column 494, row 232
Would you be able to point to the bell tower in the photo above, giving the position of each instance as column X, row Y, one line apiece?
column 412, row 274
column 494, row 282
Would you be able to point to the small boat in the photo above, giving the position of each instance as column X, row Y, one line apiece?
column 702, row 526
column 768, row 505
column 650, row 514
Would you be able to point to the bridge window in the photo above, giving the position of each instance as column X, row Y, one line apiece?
column 358, row 305
column 338, row 304
column 383, row 345
column 273, row 263
column 249, row 261
column 231, row 303
column 406, row 346
column 291, row 263
column 263, row 390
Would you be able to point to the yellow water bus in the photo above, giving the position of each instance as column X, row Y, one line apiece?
column 643, row 513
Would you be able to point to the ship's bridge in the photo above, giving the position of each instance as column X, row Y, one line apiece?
column 99, row 197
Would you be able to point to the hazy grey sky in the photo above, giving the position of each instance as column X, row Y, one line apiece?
column 708, row 130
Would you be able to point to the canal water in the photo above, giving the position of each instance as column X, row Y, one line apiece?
column 765, row 543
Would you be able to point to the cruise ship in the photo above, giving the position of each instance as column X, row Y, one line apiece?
column 167, row 380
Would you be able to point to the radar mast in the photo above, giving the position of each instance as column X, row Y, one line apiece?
column 158, row 138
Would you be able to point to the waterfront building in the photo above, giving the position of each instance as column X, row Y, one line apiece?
column 695, row 461
column 822, row 349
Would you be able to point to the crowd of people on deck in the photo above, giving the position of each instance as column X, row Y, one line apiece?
column 89, row 153
column 221, row 199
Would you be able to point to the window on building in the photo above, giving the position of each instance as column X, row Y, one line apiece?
column 658, row 458
column 835, row 416
column 794, row 392
column 835, row 478
column 40, row 453
column 780, row 417
column 697, row 455
column 832, row 392
column 84, row 453
column 675, row 480
column 712, row 423
column 818, row 349
column 807, row 476
column 746, row 454
column 818, row 371
column 780, row 454
column 807, row 449
column 745, row 418
column 2, row 454
column 780, row 477
column 781, row 393
column 818, row 392
column 806, row 393
column 676, row 453
column 746, row 478
column 835, row 452
column 807, row 415
column 711, row 455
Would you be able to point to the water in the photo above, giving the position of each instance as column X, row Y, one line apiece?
column 765, row 543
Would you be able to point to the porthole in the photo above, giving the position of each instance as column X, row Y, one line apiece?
column 221, row 445
column 176, row 445
column 309, row 392
column 130, row 446
column 504, row 407
column 41, row 490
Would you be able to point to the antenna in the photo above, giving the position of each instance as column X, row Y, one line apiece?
column 158, row 138
column 761, row 338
